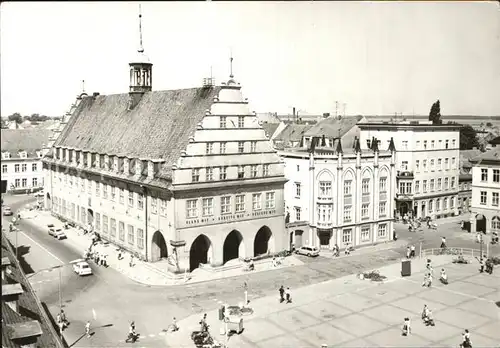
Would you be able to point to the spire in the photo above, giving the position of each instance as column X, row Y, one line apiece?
column 392, row 147
column 83, row 86
column 231, row 64
column 141, row 48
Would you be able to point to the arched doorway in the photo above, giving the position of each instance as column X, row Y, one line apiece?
column 90, row 217
column 298, row 238
column 403, row 209
column 200, row 252
column 158, row 247
column 49, row 201
column 233, row 246
column 261, row 241
column 480, row 223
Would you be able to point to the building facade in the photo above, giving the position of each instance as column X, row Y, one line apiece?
column 485, row 208
column 22, row 152
column 465, row 180
column 427, row 165
column 338, row 192
column 183, row 175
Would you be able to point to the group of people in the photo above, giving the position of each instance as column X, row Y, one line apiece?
column 410, row 251
column 486, row 265
column 285, row 295
column 62, row 321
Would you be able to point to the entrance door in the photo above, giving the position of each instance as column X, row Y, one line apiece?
column 324, row 238
column 298, row 238
column 423, row 210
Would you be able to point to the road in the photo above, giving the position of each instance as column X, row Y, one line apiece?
column 110, row 300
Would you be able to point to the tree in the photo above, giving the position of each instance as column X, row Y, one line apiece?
column 468, row 137
column 16, row 116
column 435, row 113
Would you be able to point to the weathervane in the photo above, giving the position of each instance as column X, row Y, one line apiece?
column 141, row 48
column 231, row 64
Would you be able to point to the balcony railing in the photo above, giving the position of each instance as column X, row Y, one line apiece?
column 404, row 196
column 404, row 174
column 325, row 198
column 325, row 224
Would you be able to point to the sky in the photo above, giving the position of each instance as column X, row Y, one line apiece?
column 374, row 58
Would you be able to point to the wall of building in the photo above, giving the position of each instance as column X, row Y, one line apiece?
column 485, row 197
column 22, row 173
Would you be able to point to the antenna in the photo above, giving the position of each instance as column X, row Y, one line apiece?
column 231, row 63
column 83, row 86
column 141, row 48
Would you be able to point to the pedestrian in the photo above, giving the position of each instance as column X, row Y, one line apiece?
column 58, row 319
column 203, row 323
column 282, row 294
column 408, row 252
column 444, row 277
column 481, row 265
column 466, row 340
column 96, row 257
column 479, row 237
column 103, row 255
column 174, row 325
column 105, row 260
column 120, row 254
column 87, row 329
column 412, row 251
column 274, row 262
column 288, row 295
column 443, row 243
column 131, row 263
column 406, row 330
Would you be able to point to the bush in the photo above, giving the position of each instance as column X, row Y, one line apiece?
column 374, row 276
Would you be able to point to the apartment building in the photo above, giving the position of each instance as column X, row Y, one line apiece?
column 338, row 192
column 427, row 165
column 485, row 208
column 185, row 175
column 22, row 152
column 465, row 180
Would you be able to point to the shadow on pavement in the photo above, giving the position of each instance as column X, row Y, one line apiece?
column 91, row 334
column 53, row 322
column 23, row 250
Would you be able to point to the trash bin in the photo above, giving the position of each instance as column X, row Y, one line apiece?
column 406, row 268
column 235, row 324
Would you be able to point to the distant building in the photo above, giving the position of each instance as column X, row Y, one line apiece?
column 22, row 152
column 273, row 129
column 465, row 179
column 485, row 207
column 186, row 175
column 25, row 323
column 290, row 136
column 338, row 191
column 427, row 165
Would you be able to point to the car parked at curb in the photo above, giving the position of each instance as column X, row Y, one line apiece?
column 59, row 234
column 82, row 268
column 308, row 251
column 7, row 211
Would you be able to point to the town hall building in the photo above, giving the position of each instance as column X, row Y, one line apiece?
column 186, row 174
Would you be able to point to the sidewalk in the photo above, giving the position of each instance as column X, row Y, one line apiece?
column 362, row 250
column 304, row 297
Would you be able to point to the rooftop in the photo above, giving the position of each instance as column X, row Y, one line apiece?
column 492, row 155
column 30, row 140
column 467, row 155
column 11, row 289
column 270, row 128
column 332, row 127
column 291, row 133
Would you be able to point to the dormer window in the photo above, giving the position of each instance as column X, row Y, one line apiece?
column 58, row 154
column 89, row 159
column 106, row 162
column 126, row 166
column 98, row 161
column 23, row 154
column 5, row 155
column 115, row 164
column 151, row 169
column 138, row 167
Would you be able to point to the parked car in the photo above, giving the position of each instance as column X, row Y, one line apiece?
column 82, row 268
column 7, row 211
column 38, row 194
column 53, row 231
column 59, row 234
column 308, row 251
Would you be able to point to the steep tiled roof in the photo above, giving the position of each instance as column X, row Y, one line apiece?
column 291, row 133
column 491, row 155
column 157, row 128
column 332, row 127
column 30, row 308
column 270, row 128
column 466, row 156
column 29, row 140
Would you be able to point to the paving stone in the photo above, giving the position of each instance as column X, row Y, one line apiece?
column 283, row 341
column 354, row 302
column 392, row 338
column 482, row 307
column 261, row 329
column 404, row 286
column 357, row 324
column 477, row 340
column 293, row 319
column 324, row 334
column 416, row 305
column 440, row 332
column 387, row 314
column 359, row 342
column 382, row 294
column 490, row 330
column 469, row 288
column 325, row 310
column 461, row 318
column 483, row 279
column 443, row 296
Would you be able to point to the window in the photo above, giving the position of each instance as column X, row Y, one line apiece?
column 89, row 186
column 24, row 167
column 325, row 188
column 325, row 212
column 496, row 175
column 241, row 172
column 222, row 121
column 431, row 206
column 425, row 144
column 154, row 205
column 241, row 146
column 97, row 217
column 209, row 148
column 298, row 188
column 453, row 162
column 494, row 199
column 24, row 182
column 417, row 186
column 163, row 207
column 365, row 234
column 113, row 193
column 105, row 224
column 495, row 223
column 425, row 165
column 440, row 164
column 82, row 184
column 347, row 187
column 438, row 204
column 382, row 184
column 347, row 236
column 191, row 208
column 453, row 182
column 382, row 231
column 140, row 238
column 256, row 201
column 240, row 203
column 446, row 164
column 364, row 211
column 432, row 165
column 16, row 168
column 404, row 165
column 297, row 213
column 270, row 203
column 417, row 165
column 418, row 144
column 113, row 228
column 432, row 144
column 253, row 146
column 405, row 145
column 432, row 185
column 225, row 205
column 439, row 184
column 223, row 173
column 347, row 213
column 223, row 147
column 208, row 206
column 447, row 144
column 440, row 143
column 140, row 201
column 452, row 202
column 34, row 182
column 195, row 175
column 121, row 231
column 97, row 187
column 254, row 170
column 130, row 235
column 453, row 143
column 130, row 199
column 424, row 186
column 365, row 186
column 4, row 168
column 209, row 174
column 298, row 167
column 122, row 196
column 484, row 174
column 382, row 209
column 34, row 167
column 445, row 183
column 265, row 170
column 104, row 191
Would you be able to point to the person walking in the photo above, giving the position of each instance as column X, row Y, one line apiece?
column 131, row 263
column 408, row 252
column 412, row 251
column 288, row 295
column 443, row 243
column 87, row 329
column 406, row 330
column 282, row 294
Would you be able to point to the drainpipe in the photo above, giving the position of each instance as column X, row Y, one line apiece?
column 146, row 237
